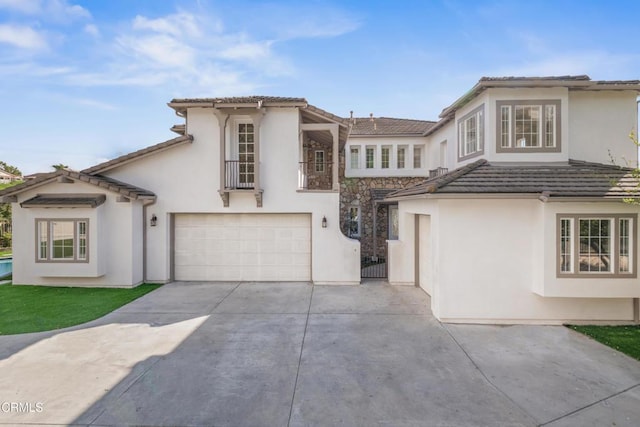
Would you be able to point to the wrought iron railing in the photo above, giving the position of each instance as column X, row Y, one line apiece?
column 433, row 173
column 239, row 174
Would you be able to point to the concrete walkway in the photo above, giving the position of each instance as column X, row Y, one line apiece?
column 257, row 354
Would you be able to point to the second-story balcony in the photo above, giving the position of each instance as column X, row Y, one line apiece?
column 315, row 175
column 239, row 175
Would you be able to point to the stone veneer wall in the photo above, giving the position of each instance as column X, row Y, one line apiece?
column 356, row 191
column 318, row 180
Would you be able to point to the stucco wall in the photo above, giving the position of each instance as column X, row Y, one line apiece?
column 186, row 180
column 593, row 126
column 485, row 261
column 115, row 246
column 599, row 126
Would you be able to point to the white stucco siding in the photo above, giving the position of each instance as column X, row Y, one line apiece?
column 114, row 244
column 488, row 256
column 600, row 123
column 186, row 179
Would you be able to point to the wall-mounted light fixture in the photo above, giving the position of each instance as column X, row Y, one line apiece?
column 324, row 222
column 154, row 220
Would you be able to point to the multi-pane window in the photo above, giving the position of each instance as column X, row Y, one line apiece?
column 371, row 157
column 385, row 157
column 596, row 245
column 319, row 161
column 353, row 221
column 355, row 157
column 471, row 134
column 401, row 157
column 62, row 240
column 417, row 157
column 528, row 125
column 246, row 150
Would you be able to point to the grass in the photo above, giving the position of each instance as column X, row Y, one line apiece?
column 42, row 308
column 5, row 252
column 625, row 339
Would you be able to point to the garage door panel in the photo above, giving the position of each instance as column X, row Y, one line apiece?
column 243, row 247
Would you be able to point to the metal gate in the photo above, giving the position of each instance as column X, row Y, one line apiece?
column 373, row 267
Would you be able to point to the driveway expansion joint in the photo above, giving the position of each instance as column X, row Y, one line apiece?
column 568, row 414
column 473, row 362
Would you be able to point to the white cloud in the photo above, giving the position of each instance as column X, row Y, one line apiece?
column 160, row 50
column 176, row 24
column 250, row 51
column 22, row 36
column 51, row 10
column 29, row 7
column 92, row 29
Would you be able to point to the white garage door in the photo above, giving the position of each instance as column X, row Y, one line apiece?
column 270, row 247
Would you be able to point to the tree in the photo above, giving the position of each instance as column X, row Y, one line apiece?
column 635, row 173
column 5, row 208
column 59, row 166
column 11, row 169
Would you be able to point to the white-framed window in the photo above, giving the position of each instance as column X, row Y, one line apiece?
column 401, row 156
column 471, row 134
column 354, row 152
column 393, row 222
column 370, row 157
column 596, row 245
column 353, row 221
column 385, row 157
column 243, row 174
column 417, row 156
column 62, row 240
column 528, row 125
column 318, row 161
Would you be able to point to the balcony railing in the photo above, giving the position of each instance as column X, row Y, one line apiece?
column 238, row 174
column 315, row 176
column 434, row 173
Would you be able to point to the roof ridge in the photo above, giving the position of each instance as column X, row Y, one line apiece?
column 393, row 118
column 110, row 164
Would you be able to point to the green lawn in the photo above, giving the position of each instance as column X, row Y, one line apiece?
column 42, row 308
column 623, row 338
column 5, row 253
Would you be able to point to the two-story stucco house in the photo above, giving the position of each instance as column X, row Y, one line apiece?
column 243, row 208
column 529, row 224
column 506, row 210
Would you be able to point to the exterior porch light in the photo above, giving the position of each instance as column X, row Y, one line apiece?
column 324, row 222
column 154, row 220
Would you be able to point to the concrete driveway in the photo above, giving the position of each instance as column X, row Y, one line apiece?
column 257, row 354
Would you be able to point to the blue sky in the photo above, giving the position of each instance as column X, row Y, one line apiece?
column 87, row 80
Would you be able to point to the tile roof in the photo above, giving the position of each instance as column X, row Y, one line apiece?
column 67, row 200
column 512, row 78
column 364, row 126
column 380, row 193
column 122, row 188
column 573, row 179
column 235, row 100
column 118, row 161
